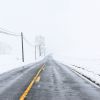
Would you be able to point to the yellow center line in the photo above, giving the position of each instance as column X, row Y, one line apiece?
column 38, row 79
column 35, row 79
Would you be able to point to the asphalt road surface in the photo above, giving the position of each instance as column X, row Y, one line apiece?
column 58, row 82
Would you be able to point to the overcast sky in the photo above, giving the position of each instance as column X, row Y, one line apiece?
column 71, row 27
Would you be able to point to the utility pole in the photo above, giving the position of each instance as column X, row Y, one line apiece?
column 44, row 52
column 22, row 47
column 39, row 50
column 35, row 52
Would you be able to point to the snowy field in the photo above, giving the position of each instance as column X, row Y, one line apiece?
column 10, row 53
column 8, row 62
column 90, row 65
column 90, row 68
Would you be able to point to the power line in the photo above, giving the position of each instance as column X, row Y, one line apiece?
column 28, row 42
column 5, row 31
column 9, row 33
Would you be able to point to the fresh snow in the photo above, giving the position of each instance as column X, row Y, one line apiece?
column 90, row 68
column 8, row 62
column 11, row 53
column 95, row 78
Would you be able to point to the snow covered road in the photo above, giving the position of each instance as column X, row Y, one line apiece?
column 57, row 82
column 13, row 83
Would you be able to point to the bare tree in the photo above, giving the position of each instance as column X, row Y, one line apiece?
column 40, row 45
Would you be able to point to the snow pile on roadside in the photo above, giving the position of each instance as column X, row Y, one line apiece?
column 89, row 68
column 88, row 74
column 8, row 62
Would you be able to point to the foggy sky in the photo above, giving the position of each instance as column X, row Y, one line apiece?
column 71, row 27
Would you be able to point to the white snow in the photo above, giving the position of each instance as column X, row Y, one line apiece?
column 10, row 53
column 88, row 74
column 90, row 68
column 8, row 63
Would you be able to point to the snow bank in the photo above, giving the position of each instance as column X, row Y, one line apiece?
column 88, row 74
column 8, row 62
column 89, row 68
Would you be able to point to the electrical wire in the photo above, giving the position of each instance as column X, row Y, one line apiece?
column 4, row 31
column 8, row 33
column 28, row 42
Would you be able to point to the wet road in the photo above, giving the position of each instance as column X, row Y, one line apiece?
column 13, row 83
column 57, row 82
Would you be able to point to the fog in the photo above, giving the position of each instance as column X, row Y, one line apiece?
column 71, row 27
